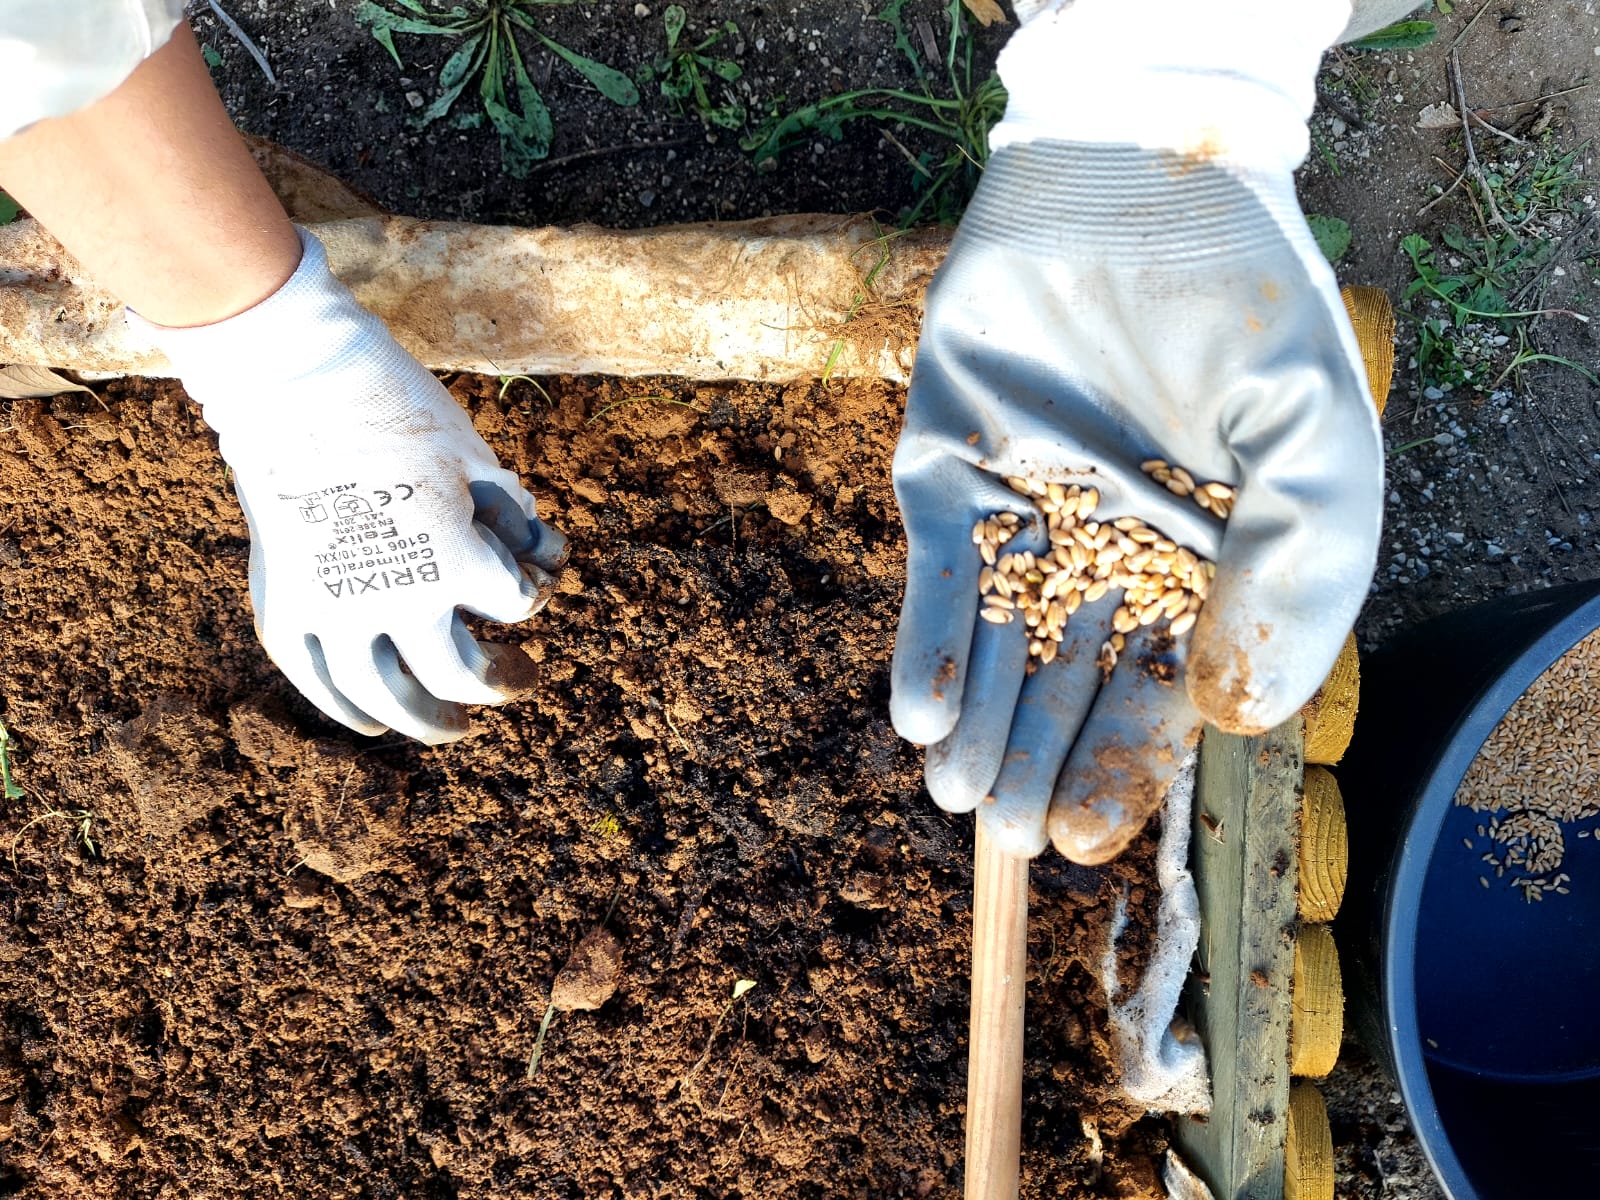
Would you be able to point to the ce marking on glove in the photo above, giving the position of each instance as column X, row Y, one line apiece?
column 353, row 504
column 385, row 498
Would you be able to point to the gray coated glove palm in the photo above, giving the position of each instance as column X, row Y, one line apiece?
column 1102, row 306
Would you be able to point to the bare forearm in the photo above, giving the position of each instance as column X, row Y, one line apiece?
column 153, row 191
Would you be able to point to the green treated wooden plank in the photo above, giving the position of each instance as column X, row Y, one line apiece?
column 1247, row 803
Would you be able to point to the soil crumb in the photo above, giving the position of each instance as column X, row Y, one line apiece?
column 591, row 975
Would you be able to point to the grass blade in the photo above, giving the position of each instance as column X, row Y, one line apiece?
column 1402, row 35
column 524, row 136
column 454, row 76
column 534, row 113
column 12, row 791
column 375, row 15
column 1523, row 360
column 891, row 17
column 612, row 83
column 385, row 24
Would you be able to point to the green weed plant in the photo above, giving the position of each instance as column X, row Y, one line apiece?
column 491, row 54
column 686, row 71
column 1488, row 277
column 960, row 111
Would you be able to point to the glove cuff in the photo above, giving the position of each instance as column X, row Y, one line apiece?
column 306, row 326
column 1230, row 82
column 1122, row 205
column 307, row 355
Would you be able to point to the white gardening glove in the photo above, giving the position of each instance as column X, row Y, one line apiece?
column 377, row 515
column 1133, row 281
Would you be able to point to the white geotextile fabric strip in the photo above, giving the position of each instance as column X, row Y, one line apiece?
column 1159, row 1069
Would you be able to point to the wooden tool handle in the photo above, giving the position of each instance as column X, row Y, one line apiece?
column 999, row 984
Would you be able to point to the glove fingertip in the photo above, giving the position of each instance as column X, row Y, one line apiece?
column 451, row 723
column 551, row 548
column 510, row 672
column 306, row 667
column 1138, row 736
column 543, row 586
column 1093, row 834
column 1226, row 684
column 924, row 713
column 1220, row 688
column 957, row 778
column 367, row 728
column 952, row 802
column 1020, row 834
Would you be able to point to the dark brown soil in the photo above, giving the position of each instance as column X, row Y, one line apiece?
column 341, row 101
column 302, row 963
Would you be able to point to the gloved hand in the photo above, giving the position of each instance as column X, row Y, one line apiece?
column 377, row 514
column 1134, row 281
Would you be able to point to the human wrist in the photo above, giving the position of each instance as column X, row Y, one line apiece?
column 1231, row 81
column 310, row 325
column 152, row 191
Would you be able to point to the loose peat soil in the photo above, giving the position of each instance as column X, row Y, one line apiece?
column 301, row 963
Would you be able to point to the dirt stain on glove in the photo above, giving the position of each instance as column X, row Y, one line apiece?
column 1219, row 685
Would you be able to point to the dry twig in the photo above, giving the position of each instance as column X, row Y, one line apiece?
column 550, row 164
column 1467, row 28
column 243, row 39
column 1510, row 137
column 1569, row 247
column 1472, row 154
column 1462, row 174
column 1538, row 99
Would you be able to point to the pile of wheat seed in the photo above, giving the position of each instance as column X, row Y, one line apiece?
column 1088, row 559
column 1538, row 772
